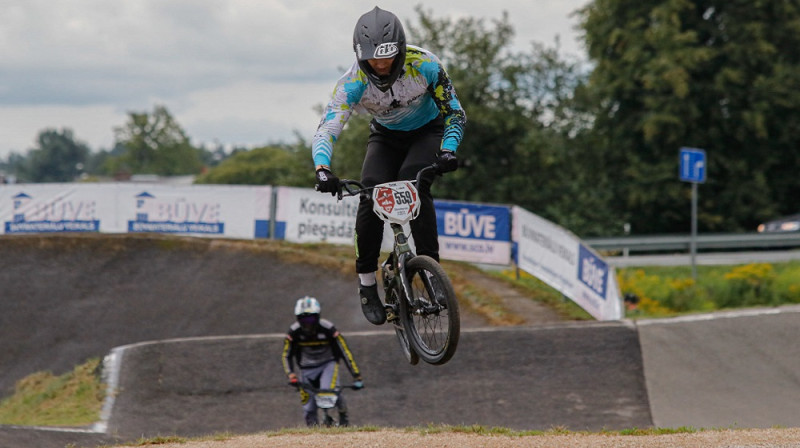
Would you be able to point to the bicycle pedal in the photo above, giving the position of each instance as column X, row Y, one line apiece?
column 390, row 314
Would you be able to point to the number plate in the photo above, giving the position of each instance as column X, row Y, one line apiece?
column 325, row 400
column 396, row 202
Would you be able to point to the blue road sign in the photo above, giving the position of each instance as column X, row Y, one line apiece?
column 693, row 165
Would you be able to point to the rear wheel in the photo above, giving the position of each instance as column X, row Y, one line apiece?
column 431, row 320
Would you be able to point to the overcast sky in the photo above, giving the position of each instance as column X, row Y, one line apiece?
column 237, row 72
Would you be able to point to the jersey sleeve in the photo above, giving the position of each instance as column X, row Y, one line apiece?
column 287, row 356
column 347, row 355
column 444, row 95
column 346, row 95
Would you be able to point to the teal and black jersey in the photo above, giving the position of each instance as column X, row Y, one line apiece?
column 422, row 92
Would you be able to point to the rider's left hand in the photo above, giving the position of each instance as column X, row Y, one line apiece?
column 358, row 383
column 447, row 161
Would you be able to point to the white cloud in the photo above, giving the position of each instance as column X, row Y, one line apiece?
column 245, row 113
column 236, row 71
column 20, row 125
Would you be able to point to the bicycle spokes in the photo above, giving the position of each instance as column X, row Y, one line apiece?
column 431, row 319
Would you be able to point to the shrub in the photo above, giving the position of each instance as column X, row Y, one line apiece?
column 748, row 285
column 787, row 285
column 670, row 290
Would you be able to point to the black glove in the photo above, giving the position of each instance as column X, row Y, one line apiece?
column 447, row 161
column 327, row 182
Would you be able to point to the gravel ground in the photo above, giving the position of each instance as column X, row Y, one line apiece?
column 401, row 439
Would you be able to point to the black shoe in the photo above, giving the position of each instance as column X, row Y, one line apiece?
column 371, row 304
column 343, row 420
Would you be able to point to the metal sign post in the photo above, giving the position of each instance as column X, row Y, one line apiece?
column 693, row 169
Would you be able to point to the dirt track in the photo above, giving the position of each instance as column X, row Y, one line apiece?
column 70, row 298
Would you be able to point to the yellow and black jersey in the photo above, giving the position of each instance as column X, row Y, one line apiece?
column 307, row 350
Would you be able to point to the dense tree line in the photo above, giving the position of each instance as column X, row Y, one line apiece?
column 715, row 74
column 590, row 144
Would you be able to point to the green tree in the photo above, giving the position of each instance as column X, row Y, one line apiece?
column 58, row 157
column 288, row 165
column 528, row 113
column 155, row 144
column 716, row 74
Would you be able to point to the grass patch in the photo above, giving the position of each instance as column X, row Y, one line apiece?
column 477, row 298
column 542, row 292
column 43, row 399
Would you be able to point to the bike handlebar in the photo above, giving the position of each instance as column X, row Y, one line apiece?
column 346, row 184
column 316, row 390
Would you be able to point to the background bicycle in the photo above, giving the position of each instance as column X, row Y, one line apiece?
column 326, row 400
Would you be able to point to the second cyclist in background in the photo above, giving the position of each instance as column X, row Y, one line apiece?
column 315, row 346
column 416, row 120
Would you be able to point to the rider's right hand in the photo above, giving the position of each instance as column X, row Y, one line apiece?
column 327, row 182
column 293, row 381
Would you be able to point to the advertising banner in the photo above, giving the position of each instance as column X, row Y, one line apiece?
column 48, row 208
column 474, row 232
column 234, row 211
column 197, row 210
column 304, row 215
column 558, row 258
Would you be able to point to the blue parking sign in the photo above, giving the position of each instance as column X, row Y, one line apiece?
column 692, row 165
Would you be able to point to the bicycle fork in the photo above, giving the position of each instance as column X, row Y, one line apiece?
column 394, row 270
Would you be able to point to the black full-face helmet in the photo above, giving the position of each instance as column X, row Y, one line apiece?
column 379, row 35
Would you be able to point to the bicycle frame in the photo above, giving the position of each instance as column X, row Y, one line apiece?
column 401, row 249
column 402, row 253
column 425, row 317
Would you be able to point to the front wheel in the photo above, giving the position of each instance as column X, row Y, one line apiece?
column 431, row 317
column 328, row 421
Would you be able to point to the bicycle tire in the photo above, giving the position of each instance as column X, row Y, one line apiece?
column 328, row 421
column 431, row 319
column 405, row 346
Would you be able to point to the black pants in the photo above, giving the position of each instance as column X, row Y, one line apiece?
column 391, row 156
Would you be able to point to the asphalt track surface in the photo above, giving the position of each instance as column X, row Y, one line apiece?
column 194, row 329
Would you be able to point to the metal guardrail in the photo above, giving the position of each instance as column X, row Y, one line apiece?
column 729, row 241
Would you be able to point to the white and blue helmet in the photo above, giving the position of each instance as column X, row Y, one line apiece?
column 307, row 311
column 306, row 305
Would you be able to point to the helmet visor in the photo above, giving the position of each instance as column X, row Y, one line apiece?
column 308, row 321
